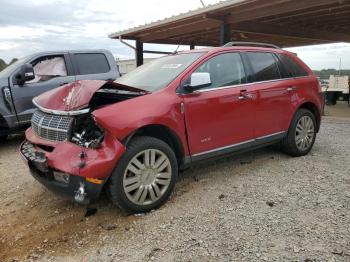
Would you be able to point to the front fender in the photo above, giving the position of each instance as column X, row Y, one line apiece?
column 162, row 108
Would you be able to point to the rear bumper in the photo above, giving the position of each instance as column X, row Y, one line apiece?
column 48, row 162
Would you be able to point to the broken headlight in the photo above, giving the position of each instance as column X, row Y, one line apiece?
column 87, row 133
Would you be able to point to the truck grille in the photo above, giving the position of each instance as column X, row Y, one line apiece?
column 52, row 127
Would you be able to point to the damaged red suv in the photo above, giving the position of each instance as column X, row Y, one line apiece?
column 132, row 136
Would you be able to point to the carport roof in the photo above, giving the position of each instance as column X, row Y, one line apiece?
column 283, row 22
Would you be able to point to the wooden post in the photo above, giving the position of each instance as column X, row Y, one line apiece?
column 139, row 53
column 225, row 33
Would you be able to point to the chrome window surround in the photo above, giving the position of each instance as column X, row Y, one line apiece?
column 247, row 84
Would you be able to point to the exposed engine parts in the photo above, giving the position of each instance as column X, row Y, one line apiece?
column 86, row 133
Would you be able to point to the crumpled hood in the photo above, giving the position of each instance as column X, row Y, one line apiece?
column 76, row 95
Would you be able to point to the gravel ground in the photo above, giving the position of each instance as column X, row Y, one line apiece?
column 260, row 206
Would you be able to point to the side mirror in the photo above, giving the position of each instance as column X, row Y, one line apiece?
column 26, row 73
column 198, row 81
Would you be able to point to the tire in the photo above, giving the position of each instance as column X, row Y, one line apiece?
column 3, row 137
column 331, row 98
column 141, row 187
column 293, row 144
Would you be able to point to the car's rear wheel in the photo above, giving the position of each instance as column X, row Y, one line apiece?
column 144, row 177
column 301, row 134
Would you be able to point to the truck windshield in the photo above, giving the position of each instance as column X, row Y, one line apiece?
column 158, row 73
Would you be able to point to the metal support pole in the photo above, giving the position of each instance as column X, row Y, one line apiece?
column 139, row 53
column 225, row 33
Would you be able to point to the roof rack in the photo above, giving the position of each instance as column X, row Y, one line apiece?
column 251, row 44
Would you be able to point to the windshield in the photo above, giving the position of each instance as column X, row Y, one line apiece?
column 158, row 73
column 8, row 70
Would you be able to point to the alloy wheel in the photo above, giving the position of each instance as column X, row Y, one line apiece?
column 147, row 177
column 304, row 133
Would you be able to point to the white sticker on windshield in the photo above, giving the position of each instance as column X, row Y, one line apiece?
column 172, row 66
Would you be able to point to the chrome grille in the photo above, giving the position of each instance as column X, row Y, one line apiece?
column 51, row 127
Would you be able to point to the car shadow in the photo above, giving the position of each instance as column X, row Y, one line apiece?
column 12, row 140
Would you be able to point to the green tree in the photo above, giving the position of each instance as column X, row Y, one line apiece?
column 3, row 64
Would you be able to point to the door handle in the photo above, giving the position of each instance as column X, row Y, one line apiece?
column 244, row 95
column 291, row 88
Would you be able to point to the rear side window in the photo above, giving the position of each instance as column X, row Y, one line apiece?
column 290, row 67
column 225, row 70
column 91, row 63
column 264, row 66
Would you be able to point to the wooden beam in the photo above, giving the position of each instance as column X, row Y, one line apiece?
column 297, row 32
column 186, row 28
column 225, row 33
column 307, row 13
column 157, row 52
column 139, row 52
column 277, row 9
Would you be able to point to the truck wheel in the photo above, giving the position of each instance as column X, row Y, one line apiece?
column 331, row 98
column 301, row 134
column 144, row 177
column 3, row 135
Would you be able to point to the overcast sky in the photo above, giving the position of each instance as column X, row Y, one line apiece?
column 37, row 25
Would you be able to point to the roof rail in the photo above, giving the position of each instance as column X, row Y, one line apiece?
column 237, row 43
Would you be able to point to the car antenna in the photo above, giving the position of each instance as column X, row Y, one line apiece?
column 177, row 48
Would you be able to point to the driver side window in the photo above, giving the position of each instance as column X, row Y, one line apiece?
column 48, row 67
column 225, row 70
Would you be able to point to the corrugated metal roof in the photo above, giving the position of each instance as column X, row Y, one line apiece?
column 198, row 11
column 282, row 22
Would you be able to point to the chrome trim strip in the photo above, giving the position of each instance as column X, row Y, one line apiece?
column 246, row 84
column 274, row 134
column 223, row 148
column 62, row 113
column 237, row 144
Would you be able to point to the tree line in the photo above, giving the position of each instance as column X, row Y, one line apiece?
column 3, row 64
column 325, row 73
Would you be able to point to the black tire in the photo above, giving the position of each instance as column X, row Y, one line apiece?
column 3, row 137
column 331, row 98
column 288, row 144
column 115, row 188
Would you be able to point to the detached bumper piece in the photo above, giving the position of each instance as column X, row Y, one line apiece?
column 68, row 186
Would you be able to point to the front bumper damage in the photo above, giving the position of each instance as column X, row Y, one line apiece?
column 71, row 171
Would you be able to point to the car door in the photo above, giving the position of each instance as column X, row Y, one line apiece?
column 220, row 118
column 50, row 71
column 92, row 66
column 273, row 103
column 296, row 82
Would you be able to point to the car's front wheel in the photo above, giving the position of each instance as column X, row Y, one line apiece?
column 144, row 177
column 301, row 134
column 2, row 136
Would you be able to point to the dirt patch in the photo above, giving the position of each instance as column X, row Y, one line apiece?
column 258, row 206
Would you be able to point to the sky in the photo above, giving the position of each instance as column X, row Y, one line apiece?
column 38, row 25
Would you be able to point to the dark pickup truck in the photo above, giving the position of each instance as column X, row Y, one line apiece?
column 40, row 72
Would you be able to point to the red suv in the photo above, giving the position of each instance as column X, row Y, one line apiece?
column 132, row 136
